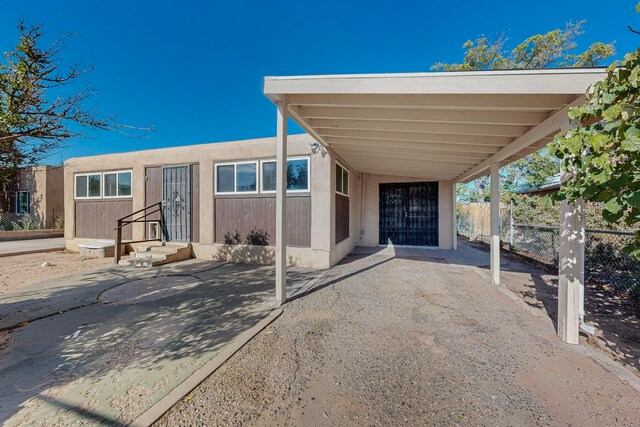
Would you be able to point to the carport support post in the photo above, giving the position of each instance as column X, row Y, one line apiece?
column 455, row 216
column 571, row 269
column 281, row 203
column 495, row 224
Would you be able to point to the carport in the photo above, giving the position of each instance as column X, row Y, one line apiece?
column 454, row 126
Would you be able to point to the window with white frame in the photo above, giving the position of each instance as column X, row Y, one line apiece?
column 88, row 186
column 342, row 180
column 297, row 175
column 98, row 185
column 241, row 177
column 23, row 202
column 117, row 184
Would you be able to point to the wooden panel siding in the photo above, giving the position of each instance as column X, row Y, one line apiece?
column 152, row 191
column 195, row 202
column 97, row 219
column 342, row 218
column 252, row 220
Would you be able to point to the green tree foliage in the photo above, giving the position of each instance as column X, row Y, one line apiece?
column 531, row 171
column 555, row 48
column 602, row 154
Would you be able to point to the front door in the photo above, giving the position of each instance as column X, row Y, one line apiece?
column 409, row 214
column 176, row 203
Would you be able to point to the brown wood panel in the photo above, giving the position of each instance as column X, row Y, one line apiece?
column 342, row 217
column 152, row 191
column 97, row 219
column 252, row 220
column 195, row 202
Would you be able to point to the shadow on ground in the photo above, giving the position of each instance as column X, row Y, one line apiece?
column 108, row 362
column 616, row 315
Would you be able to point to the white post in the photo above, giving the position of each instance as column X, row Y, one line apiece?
column 281, row 204
column 495, row 223
column 571, row 269
column 455, row 216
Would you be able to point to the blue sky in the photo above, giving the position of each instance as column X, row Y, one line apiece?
column 194, row 70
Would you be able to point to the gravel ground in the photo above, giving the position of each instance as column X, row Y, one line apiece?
column 407, row 342
column 23, row 270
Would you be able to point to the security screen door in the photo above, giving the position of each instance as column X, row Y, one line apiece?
column 409, row 214
column 176, row 203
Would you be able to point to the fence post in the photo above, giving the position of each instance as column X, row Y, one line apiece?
column 511, row 226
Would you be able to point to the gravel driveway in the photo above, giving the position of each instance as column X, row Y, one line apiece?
column 393, row 341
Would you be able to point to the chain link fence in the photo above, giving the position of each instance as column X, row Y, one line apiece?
column 27, row 222
column 605, row 262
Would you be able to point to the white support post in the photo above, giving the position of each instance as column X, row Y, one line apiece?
column 571, row 270
column 495, row 223
column 281, row 204
column 455, row 215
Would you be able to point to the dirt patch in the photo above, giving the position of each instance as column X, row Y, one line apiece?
column 390, row 344
column 615, row 314
column 24, row 270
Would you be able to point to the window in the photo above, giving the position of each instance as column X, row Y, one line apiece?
column 23, row 202
column 237, row 178
column 225, row 178
column 342, row 180
column 88, row 186
column 247, row 177
column 117, row 184
column 297, row 175
column 96, row 185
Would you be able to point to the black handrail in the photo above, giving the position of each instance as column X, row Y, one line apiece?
column 123, row 221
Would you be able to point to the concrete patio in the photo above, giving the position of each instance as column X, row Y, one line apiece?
column 104, row 346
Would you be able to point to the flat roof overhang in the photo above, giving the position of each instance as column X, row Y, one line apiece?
column 436, row 126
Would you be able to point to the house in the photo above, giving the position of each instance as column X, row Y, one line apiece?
column 383, row 154
column 551, row 185
column 220, row 198
column 37, row 192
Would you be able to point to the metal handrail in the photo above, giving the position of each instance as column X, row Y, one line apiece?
column 123, row 221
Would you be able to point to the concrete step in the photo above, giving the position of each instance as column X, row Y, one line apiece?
column 158, row 254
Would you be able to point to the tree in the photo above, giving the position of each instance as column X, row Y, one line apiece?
column 552, row 49
column 531, row 171
column 555, row 48
column 38, row 109
column 602, row 154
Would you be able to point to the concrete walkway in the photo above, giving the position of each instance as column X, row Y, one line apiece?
column 110, row 343
column 410, row 337
column 19, row 247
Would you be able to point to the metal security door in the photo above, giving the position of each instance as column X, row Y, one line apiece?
column 409, row 214
column 176, row 203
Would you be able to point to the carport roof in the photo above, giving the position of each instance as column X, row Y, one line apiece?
column 434, row 126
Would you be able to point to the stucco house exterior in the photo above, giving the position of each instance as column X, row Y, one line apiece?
column 378, row 166
column 37, row 191
column 227, row 201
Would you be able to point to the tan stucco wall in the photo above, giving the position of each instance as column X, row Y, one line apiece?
column 322, row 253
column 206, row 155
column 371, row 209
column 341, row 249
column 55, row 191
column 46, row 185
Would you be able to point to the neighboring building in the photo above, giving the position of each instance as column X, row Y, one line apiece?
column 551, row 185
column 38, row 191
column 220, row 197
